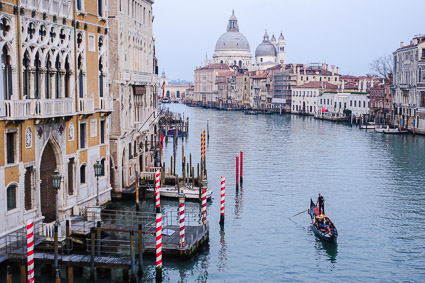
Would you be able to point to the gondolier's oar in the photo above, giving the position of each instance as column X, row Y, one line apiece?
column 299, row 213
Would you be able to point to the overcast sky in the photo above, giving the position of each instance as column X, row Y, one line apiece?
column 346, row 33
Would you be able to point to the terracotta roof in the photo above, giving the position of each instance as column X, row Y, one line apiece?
column 317, row 85
column 260, row 76
column 217, row 66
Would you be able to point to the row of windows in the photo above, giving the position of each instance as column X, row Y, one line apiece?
column 136, row 11
column 100, row 6
column 320, row 78
column 305, row 93
column 326, row 102
column 83, row 133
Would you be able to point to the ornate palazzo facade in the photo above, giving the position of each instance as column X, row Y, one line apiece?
column 134, row 88
column 54, row 108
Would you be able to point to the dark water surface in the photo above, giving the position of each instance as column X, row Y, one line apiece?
column 373, row 185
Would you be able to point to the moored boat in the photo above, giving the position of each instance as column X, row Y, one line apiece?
column 390, row 131
column 191, row 193
column 321, row 225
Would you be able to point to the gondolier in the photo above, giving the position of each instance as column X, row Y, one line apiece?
column 321, row 203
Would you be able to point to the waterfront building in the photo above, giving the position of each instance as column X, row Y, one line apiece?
column 341, row 103
column 304, row 97
column 243, row 88
column 175, row 92
column 315, row 72
column 134, row 81
column 408, row 86
column 258, row 83
column 381, row 102
column 55, row 108
column 205, row 87
column 232, row 48
column 282, row 85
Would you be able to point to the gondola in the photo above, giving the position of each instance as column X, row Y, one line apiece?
column 328, row 233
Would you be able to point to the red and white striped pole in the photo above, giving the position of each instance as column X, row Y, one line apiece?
column 223, row 193
column 30, row 250
column 241, row 179
column 158, row 266
column 157, row 188
column 237, row 171
column 204, row 203
column 181, row 212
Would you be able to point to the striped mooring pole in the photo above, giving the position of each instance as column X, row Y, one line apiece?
column 204, row 202
column 241, row 177
column 223, row 194
column 237, row 171
column 157, row 192
column 181, row 212
column 30, row 250
column 158, row 266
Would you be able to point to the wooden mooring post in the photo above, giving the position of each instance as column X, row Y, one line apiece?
column 140, row 250
column 68, row 237
column 223, row 195
column 98, row 237
column 92, row 251
column 9, row 274
column 133, row 257
column 70, row 272
column 56, row 246
column 241, row 177
column 22, row 267
column 58, row 276
column 237, row 172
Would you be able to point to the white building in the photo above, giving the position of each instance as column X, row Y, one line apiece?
column 336, row 102
column 270, row 53
column 232, row 47
column 304, row 97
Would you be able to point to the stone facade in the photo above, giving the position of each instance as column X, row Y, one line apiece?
column 134, row 88
column 51, row 117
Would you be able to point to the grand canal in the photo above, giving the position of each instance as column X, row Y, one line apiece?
column 372, row 183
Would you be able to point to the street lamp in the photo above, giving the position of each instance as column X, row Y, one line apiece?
column 97, row 172
column 57, row 185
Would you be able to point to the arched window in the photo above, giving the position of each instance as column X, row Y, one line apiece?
column 67, row 77
column 37, row 64
column 7, row 73
column 58, row 77
column 178, row 94
column 168, row 93
column 83, row 174
column 26, row 78
column 102, row 173
column 11, row 197
column 100, row 78
column 80, row 77
column 47, row 77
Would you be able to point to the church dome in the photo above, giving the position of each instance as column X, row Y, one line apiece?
column 266, row 48
column 232, row 39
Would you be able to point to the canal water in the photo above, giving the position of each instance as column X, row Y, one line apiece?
column 372, row 184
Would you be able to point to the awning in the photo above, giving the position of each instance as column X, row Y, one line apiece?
column 139, row 90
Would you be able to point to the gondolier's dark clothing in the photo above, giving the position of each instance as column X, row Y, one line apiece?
column 321, row 201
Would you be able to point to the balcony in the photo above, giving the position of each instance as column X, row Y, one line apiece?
column 49, row 108
column 86, row 105
column 17, row 109
column 38, row 108
column 106, row 104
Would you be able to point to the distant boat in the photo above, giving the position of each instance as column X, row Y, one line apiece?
column 251, row 112
column 370, row 125
column 328, row 233
column 390, row 131
column 165, row 100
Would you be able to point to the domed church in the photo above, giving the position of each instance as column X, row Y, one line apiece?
column 232, row 47
column 270, row 53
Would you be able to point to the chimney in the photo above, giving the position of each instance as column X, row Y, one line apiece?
column 333, row 70
column 304, row 67
column 337, row 70
column 415, row 41
column 401, row 44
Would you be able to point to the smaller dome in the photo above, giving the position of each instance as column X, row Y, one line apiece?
column 233, row 17
column 266, row 48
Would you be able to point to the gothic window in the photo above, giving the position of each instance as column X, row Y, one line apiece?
column 102, row 173
column 37, row 64
column 71, row 176
column 28, row 187
column 80, row 5
column 6, row 68
column 57, row 77
column 47, row 77
column 100, row 7
column 67, row 77
column 11, row 197
column 100, row 78
column 26, row 83
column 10, row 147
column 80, row 77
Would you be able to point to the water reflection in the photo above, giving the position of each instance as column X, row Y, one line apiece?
column 238, row 203
column 222, row 253
column 330, row 250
